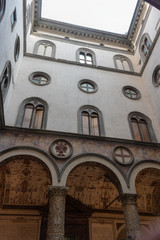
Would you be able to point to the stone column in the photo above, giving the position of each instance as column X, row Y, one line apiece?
column 131, row 216
column 56, row 216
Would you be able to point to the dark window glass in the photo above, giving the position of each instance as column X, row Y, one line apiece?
column 13, row 19
column 131, row 92
column 6, row 79
column 156, row 76
column 17, row 48
column 2, row 8
column 39, row 78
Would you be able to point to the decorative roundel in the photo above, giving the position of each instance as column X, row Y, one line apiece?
column 61, row 149
column 122, row 155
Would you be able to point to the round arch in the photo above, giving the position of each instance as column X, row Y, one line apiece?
column 35, row 153
column 97, row 159
column 139, row 167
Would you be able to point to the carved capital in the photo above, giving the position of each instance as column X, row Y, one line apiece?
column 57, row 191
column 128, row 199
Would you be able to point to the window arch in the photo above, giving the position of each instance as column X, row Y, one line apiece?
column 144, row 46
column 90, row 121
column 141, row 127
column 86, row 56
column 33, row 114
column 45, row 48
column 123, row 63
column 5, row 80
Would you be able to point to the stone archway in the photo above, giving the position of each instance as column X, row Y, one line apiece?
column 148, row 190
column 24, row 183
column 92, row 187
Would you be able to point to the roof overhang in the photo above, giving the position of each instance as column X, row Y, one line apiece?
column 89, row 34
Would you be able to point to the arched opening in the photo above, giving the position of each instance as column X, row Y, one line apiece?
column 24, row 183
column 148, row 190
column 92, row 189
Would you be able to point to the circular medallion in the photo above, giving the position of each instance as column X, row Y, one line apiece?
column 122, row 155
column 61, row 148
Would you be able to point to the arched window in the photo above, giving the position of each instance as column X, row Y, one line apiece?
column 5, row 80
column 90, row 121
column 2, row 8
column 123, row 63
column 141, row 127
column 33, row 114
column 45, row 48
column 86, row 56
column 144, row 46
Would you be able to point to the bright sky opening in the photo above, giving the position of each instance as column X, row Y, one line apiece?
column 107, row 15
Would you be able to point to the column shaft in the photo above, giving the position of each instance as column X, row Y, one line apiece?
column 56, row 216
column 131, row 215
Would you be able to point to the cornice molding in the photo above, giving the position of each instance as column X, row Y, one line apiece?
column 93, row 35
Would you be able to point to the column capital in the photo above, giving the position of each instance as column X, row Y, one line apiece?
column 128, row 198
column 57, row 191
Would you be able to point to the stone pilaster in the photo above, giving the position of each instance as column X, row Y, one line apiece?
column 56, row 216
column 131, row 216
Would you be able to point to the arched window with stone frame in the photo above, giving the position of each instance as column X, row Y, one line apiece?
column 5, row 79
column 33, row 114
column 141, row 127
column 90, row 121
column 45, row 48
column 86, row 56
column 123, row 63
column 144, row 46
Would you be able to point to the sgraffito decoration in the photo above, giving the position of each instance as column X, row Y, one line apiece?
column 24, row 182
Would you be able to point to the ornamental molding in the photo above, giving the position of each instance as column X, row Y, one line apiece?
column 89, row 34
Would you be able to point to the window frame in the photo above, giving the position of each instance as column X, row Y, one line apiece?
column 141, row 44
column 87, row 81
column 86, row 51
column 35, row 102
column 131, row 88
column 90, row 109
column 14, row 16
column 123, row 58
column 43, row 74
column 16, row 48
column 2, row 10
column 7, row 68
column 156, row 84
column 44, row 42
column 140, row 116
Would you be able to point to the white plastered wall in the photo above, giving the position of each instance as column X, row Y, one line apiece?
column 65, row 98
column 7, row 41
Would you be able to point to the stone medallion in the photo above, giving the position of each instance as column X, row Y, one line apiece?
column 61, row 149
column 122, row 155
